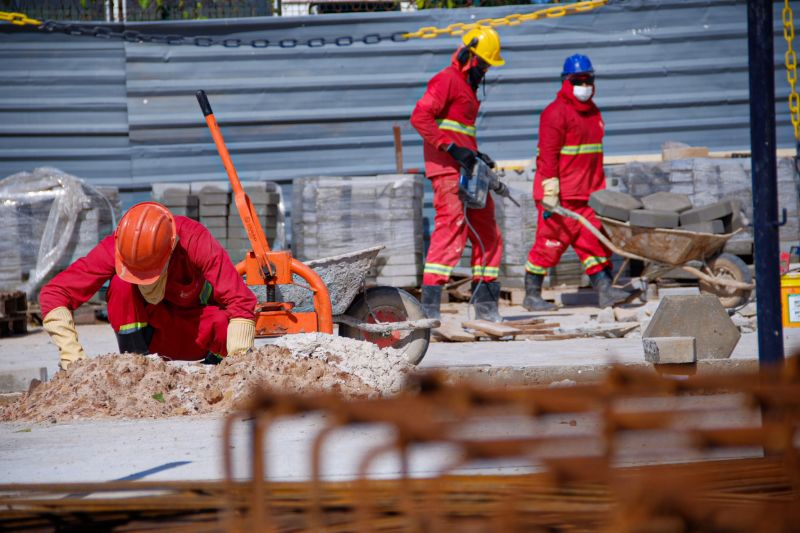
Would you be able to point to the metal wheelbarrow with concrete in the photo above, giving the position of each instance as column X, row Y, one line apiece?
column 386, row 316
column 662, row 250
column 307, row 297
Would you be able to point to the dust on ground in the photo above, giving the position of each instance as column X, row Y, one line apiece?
column 137, row 386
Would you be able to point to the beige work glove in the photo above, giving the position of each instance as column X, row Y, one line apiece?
column 551, row 190
column 241, row 335
column 59, row 325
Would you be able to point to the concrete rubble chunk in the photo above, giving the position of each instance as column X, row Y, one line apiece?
column 667, row 201
column 702, row 317
column 707, row 213
column 613, row 204
column 648, row 218
column 669, row 350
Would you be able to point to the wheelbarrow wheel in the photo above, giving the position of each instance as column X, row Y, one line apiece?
column 728, row 266
column 389, row 304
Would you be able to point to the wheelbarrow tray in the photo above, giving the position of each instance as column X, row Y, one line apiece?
column 344, row 276
column 669, row 246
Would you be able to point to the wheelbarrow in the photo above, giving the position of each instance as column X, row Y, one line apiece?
column 298, row 297
column 662, row 250
column 386, row 316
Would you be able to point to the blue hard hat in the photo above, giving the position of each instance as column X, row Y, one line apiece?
column 577, row 64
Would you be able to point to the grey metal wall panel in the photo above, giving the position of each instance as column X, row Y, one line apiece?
column 667, row 70
column 63, row 104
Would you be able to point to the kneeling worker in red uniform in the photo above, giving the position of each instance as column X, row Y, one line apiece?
column 569, row 168
column 445, row 118
column 173, row 291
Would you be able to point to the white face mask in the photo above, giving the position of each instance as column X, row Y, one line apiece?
column 582, row 92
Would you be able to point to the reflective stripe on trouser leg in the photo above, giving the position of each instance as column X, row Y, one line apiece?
column 535, row 269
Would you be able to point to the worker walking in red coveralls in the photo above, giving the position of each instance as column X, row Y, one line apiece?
column 173, row 291
column 569, row 168
column 445, row 118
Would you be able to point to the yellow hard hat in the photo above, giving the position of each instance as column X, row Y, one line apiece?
column 487, row 46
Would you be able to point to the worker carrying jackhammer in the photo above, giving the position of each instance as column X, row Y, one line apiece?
column 445, row 118
column 173, row 291
column 569, row 168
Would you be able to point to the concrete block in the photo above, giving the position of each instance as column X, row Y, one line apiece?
column 219, row 234
column 199, row 187
column 613, row 204
column 214, row 222
column 669, row 350
column 162, row 190
column 20, row 380
column 702, row 317
column 648, row 218
column 214, row 198
column 220, row 210
column 667, row 201
column 707, row 213
column 714, row 226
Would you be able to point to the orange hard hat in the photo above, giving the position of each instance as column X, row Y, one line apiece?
column 143, row 243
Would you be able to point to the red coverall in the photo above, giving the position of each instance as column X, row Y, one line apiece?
column 446, row 113
column 571, row 149
column 203, row 291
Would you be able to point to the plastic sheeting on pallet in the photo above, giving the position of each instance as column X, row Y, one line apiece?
column 51, row 219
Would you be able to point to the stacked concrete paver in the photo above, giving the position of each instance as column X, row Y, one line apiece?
column 707, row 181
column 212, row 204
column 178, row 198
column 336, row 215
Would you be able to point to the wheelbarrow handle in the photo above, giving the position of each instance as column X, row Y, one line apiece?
column 563, row 211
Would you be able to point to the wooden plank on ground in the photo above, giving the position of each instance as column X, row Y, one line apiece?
column 495, row 329
column 524, row 321
column 532, row 328
column 453, row 333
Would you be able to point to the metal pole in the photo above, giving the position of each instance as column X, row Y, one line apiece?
column 765, row 182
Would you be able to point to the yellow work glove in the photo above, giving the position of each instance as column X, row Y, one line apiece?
column 551, row 191
column 241, row 334
column 59, row 325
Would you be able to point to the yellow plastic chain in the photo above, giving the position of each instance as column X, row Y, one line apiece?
column 19, row 19
column 791, row 68
column 459, row 28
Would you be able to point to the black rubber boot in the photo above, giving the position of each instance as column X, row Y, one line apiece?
column 484, row 299
column 607, row 295
column 533, row 294
column 431, row 300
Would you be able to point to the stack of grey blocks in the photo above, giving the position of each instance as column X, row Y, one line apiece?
column 266, row 199
column 518, row 227
column 665, row 210
column 212, row 204
column 336, row 215
column 178, row 198
column 11, row 264
column 709, row 181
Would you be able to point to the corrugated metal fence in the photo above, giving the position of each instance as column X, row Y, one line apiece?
column 125, row 114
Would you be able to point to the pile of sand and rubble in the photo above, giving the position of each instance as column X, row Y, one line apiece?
column 136, row 386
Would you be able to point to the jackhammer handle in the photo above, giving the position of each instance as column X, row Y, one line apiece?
column 202, row 99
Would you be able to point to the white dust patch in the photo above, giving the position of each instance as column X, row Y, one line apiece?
column 384, row 369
